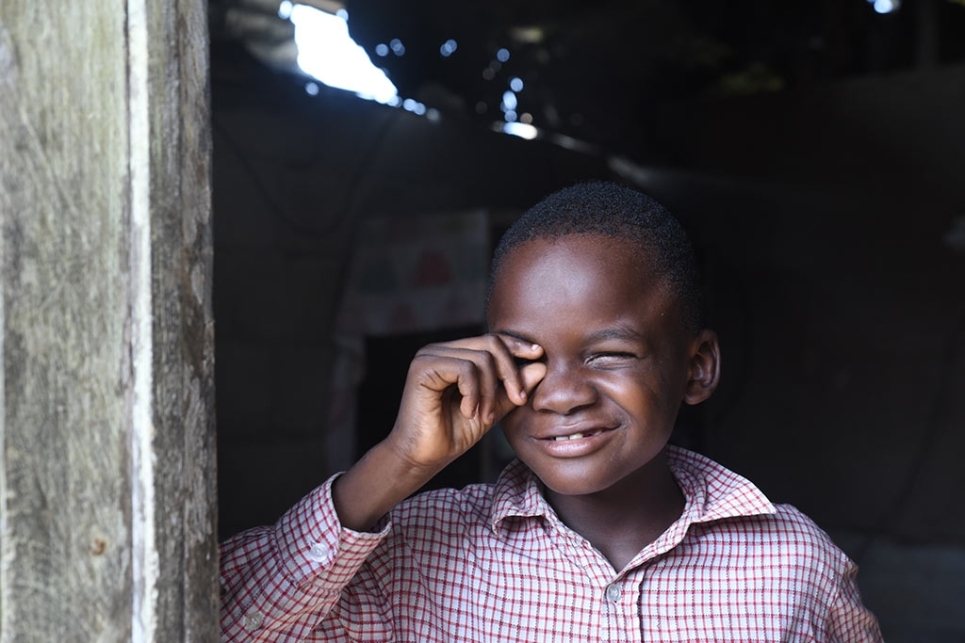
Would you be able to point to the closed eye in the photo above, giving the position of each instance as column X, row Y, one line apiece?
column 610, row 358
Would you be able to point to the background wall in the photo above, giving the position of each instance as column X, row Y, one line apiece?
column 831, row 224
column 835, row 251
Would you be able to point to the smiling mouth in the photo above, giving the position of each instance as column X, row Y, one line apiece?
column 575, row 436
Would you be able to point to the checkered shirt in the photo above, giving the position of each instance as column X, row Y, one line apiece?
column 494, row 563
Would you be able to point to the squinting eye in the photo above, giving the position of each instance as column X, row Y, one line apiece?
column 611, row 357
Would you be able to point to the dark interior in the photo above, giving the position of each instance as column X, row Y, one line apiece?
column 814, row 150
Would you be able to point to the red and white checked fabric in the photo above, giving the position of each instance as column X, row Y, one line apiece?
column 494, row 563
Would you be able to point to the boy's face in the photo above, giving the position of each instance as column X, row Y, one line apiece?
column 618, row 359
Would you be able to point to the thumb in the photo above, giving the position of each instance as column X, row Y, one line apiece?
column 530, row 376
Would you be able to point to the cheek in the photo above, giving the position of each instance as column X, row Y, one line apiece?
column 633, row 387
column 512, row 421
column 517, row 425
column 642, row 394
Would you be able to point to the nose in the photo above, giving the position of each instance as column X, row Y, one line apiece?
column 564, row 389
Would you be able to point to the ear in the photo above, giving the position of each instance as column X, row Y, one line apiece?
column 704, row 372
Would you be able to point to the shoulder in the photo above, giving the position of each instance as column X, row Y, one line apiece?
column 445, row 511
column 803, row 536
column 792, row 528
column 771, row 570
column 730, row 514
column 785, row 540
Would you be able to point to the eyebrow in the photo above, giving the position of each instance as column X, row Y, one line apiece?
column 617, row 332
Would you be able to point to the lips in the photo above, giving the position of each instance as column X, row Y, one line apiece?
column 563, row 434
column 573, row 441
column 576, row 436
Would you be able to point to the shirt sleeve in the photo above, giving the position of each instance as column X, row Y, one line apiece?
column 849, row 621
column 279, row 582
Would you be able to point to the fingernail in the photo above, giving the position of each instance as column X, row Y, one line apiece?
column 534, row 347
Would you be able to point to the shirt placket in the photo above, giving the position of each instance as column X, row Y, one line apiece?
column 621, row 608
column 617, row 595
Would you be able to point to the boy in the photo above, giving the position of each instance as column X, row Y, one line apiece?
column 600, row 531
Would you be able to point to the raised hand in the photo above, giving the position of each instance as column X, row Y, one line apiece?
column 454, row 393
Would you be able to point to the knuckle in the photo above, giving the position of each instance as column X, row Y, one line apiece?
column 489, row 361
column 430, row 349
column 419, row 363
column 501, row 344
column 467, row 368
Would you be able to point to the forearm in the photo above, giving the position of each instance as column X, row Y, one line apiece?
column 286, row 577
column 375, row 485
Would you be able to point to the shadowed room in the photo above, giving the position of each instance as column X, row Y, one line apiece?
column 227, row 226
column 367, row 156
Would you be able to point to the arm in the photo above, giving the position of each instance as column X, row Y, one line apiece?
column 282, row 581
column 849, row 621
column 278, row 582
column 454, row 394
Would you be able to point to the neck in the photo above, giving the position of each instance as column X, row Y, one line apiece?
column 623, row 519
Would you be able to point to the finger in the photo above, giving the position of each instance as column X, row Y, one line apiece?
column 497, row 359
column 493, row 365
column 530, row 375
column 486, row 382
column 438, row 374
column 510, row 352
column 468, row 386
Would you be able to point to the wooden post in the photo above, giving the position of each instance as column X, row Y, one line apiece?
column 107, row 460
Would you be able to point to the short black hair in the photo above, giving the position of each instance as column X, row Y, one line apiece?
column 607, row 209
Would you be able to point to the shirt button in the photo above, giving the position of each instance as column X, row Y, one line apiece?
column 320, row 553
column 253, row 620
column 613, row 592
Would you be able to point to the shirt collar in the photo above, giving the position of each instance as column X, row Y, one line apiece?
column 517, row 494
column 711, row 490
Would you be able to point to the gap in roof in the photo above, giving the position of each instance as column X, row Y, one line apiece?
column 327, row 53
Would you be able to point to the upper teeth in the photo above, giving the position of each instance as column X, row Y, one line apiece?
column 575, row 436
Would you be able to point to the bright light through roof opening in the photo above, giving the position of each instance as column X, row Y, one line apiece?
column 328, row 53
column 521, row 130
column 885, row 6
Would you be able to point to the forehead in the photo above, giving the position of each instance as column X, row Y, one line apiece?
column 546, row 277
column 625, row 259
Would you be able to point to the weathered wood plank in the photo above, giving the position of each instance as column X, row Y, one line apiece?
column 106, row 430
column 183, row 370
column 66, row 526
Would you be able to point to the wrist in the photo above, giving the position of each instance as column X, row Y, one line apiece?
column 383, row 478
column 402, row 457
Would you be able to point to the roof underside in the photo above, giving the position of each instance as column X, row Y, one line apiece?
column 595, row 71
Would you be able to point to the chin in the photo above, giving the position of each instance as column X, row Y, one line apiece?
column 574, row 482
column 593, row 475
column 575, row 488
